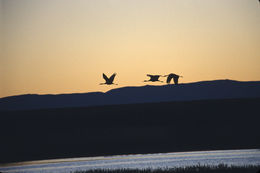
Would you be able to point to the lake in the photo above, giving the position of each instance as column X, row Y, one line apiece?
column 139, row 161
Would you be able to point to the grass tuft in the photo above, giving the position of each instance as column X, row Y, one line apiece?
column 221, row 168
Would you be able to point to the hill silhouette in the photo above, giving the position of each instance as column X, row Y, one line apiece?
column 217, row 89
column 207, row 115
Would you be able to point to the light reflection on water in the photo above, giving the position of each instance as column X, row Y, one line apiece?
column 139, row 161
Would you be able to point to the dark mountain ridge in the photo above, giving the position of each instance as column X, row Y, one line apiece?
column 217, row 89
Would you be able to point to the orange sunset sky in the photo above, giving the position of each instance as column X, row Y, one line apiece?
column 64, row 46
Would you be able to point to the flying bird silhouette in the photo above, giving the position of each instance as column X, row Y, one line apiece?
column 173, row 76
column 109, row 81
column 153, row 78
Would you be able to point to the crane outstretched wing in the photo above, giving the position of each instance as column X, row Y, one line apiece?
column 112, row 77
column 169, row 78
column 150, row 75
column 105, row 77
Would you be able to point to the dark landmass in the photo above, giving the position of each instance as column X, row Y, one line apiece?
column 218, row 89
column 190, row 169
column 129, row 128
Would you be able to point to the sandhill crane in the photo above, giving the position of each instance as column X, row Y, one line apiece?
column 109, row 81
column 173, row 76
column 153, row 78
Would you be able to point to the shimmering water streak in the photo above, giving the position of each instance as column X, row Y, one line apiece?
column 139, row 161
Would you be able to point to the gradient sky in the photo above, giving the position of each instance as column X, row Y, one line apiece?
column 64, row 46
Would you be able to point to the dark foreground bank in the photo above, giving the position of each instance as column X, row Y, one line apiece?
column 191, row 169
column 126, row 129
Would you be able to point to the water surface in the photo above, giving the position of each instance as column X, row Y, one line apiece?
column 138, row 161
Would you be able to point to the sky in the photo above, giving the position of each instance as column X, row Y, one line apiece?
column 64, row 46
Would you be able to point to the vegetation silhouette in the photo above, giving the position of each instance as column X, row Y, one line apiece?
column 173, row 76
column 221, row 168
column 109, row 81
column 153, row 78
